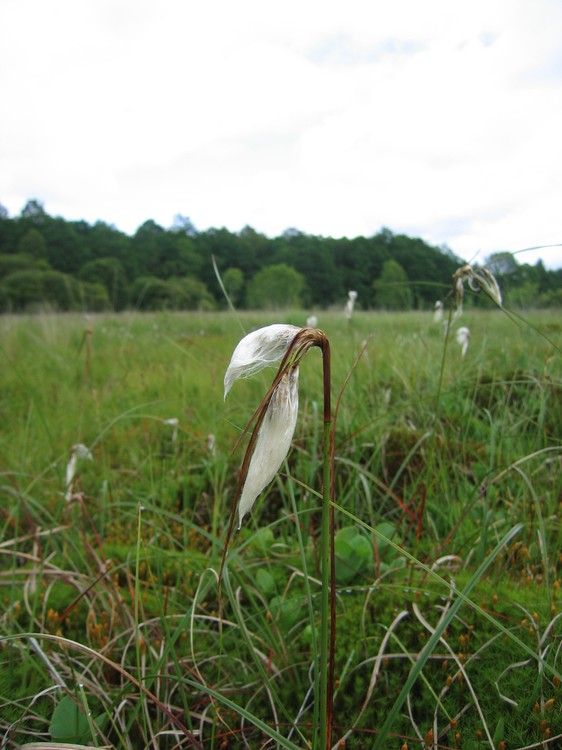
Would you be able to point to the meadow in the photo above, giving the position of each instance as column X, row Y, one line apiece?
column 448, row 488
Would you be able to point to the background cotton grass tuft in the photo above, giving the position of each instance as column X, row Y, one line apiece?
column 463, row 336
column 350, row 304
column 78, row 452
column 173, row 422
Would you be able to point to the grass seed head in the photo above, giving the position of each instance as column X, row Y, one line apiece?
column 277, row 414
column 78, row 452
column 478, row 279
column 257, row 350
column 273, row 440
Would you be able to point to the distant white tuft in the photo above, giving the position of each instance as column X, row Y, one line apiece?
column 462, row 336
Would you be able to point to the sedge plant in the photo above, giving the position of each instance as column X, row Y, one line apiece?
column 273, row 425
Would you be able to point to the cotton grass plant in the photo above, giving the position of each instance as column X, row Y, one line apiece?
column 275, row 422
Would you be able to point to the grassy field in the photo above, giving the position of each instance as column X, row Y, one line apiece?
column 449, row 555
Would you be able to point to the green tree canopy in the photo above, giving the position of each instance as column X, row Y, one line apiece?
column 25, row 289
column 276, row 287
column 110, row 273
column 20, row 262
column 33, row 243
column 291, row 269
column 233, row 280
column 34, row 211
column 391, row 288
column 186, row 293
column 191, row 294
column 150, row 293
column 178, row 258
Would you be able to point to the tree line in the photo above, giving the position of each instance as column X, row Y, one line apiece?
column 72, row 265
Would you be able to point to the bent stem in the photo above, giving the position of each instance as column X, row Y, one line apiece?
column 254, row 352
column 325, row 668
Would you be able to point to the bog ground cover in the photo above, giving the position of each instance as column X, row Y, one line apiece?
column 117, row 481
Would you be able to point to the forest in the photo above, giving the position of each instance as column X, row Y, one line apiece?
column 47, row 261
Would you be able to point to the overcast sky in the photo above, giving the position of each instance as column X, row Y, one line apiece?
column 440, row 119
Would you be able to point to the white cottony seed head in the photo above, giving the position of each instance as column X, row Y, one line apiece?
column 463, row 335
column 257, row 350
column 77, row 452
column 81, row 451
column 174, row 424
column 273, row 440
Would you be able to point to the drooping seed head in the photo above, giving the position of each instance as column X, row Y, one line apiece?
column 273, row 440
column 485, row 280
column 479, row 279
column 258, row 350
column 276, row 416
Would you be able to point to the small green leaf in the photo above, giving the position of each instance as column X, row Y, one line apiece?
column 347, row 533
column 265, row 582
column 354, row 554
column 345, row 568
column 499, row 732
column 286, row 611
column 388, row 530
column 68, row 722
column 263, row 539
column 362, row 547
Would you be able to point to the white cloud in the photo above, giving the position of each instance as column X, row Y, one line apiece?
column 441, row 118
